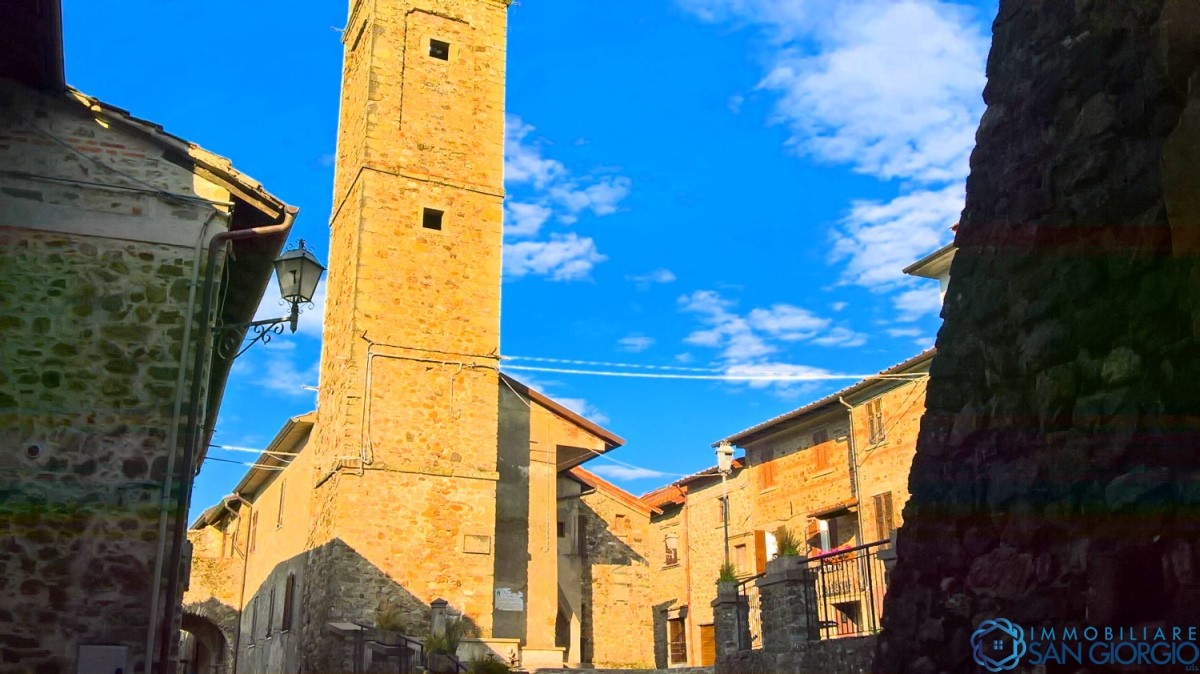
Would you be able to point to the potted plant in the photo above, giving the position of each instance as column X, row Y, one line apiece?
column 391, row 623
column 440, row 649
column 727, row 580
column 787, row 557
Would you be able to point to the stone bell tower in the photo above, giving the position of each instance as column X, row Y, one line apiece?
column 405, row 445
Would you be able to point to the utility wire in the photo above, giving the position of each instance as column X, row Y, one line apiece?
column 765, row 376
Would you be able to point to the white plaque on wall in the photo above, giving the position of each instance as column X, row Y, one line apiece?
column 509, row 600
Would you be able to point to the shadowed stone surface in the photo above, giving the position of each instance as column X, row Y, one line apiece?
column 1055, row 477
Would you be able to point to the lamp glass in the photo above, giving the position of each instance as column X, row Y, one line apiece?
column 298, row 272
column 724, row 457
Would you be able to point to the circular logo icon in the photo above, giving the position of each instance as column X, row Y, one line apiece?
column 998, row 645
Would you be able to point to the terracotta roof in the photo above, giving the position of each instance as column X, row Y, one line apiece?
column 599, row 484
column 774, row 425
column 665, row 495
column 611, row 440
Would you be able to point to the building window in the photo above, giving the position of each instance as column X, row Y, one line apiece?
column 253, row 618
column 820, row 436
column 289, row 600
column 875, row 421
column 848, row 615
column 828, row 533
column 885, row 518
column 741, row 559
column 766, row 470
column 562, row 529
column 676, row 641
column 270, row 610
column 671, row 543
column 621, row 526
column 253, row 531
column 439, row 50
column 820, row 455
column 431, row 218
column 237, row 525
column 279, row 515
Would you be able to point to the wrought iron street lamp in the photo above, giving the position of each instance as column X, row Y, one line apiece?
column 725, row 467
column 298, row 273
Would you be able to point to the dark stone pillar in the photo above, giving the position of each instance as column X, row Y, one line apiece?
column 785, row 594
column 1057, row 474
column 731, row 625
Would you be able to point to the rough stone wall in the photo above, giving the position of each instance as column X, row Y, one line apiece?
column 1054, row 482
column 90, row 337
column 883, row 467
column 213, row 591
column 802, row 484
column 409, row 390
column 617, row 628
column 668, row 582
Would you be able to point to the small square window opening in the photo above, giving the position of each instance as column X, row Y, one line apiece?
column 432, row 218
column 439, row 50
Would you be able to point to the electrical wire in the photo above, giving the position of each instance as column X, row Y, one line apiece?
column 766, row 376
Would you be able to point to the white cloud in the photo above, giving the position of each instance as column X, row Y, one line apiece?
column 890, row 88
column 747, row 341
column 584, row 409
column 788, row 323
column 877, row 240
column 635, row 343
column 284, row 373
column 904, row 332
column 615, row 472
column 563, row 258
column 521, row 220
column 644, row 281
column 544, row 190
column 523, row 162
column 838, row 306
column 918, row 302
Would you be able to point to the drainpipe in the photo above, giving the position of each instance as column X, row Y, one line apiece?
column 853, row 453
column 194, row 426
column 173, row 441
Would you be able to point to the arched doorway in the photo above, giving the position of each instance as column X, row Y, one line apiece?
column 203, row 648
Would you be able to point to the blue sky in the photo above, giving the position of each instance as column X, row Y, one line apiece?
column 729, row 185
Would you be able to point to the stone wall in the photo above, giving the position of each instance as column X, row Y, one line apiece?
column 90, row 339
column 616, row 633
column 1054, row 482
column 789, row 635
column 408, row 407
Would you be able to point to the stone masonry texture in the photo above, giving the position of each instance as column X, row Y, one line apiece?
column 407, row 413
column 1055, row 480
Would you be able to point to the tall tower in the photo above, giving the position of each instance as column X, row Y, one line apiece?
column 405, row 446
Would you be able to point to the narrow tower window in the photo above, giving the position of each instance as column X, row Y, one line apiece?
column 432, row 218
column 439, row 50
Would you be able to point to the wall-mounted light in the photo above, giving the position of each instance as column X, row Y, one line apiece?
column 299, row 273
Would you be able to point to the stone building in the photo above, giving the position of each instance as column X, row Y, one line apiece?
column 687, row 549
column 111, row 232
column 834, row 472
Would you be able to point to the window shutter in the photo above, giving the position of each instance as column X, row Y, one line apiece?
column 760, row 552
column 884, row 516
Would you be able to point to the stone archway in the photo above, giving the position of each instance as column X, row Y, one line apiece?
column 203, row 647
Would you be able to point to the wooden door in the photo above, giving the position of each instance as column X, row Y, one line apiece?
column 708, row 645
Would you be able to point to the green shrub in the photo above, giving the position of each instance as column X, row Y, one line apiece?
column 728, row 573
column 448, row 643
column 488, row 665
column 788, row 543
column 392, row 618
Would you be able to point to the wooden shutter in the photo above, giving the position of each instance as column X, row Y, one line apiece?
column 708, row 645
column 760, row 552
column 884, row 516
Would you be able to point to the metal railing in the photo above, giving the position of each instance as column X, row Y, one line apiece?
column 847, row 593
column 749, row 614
